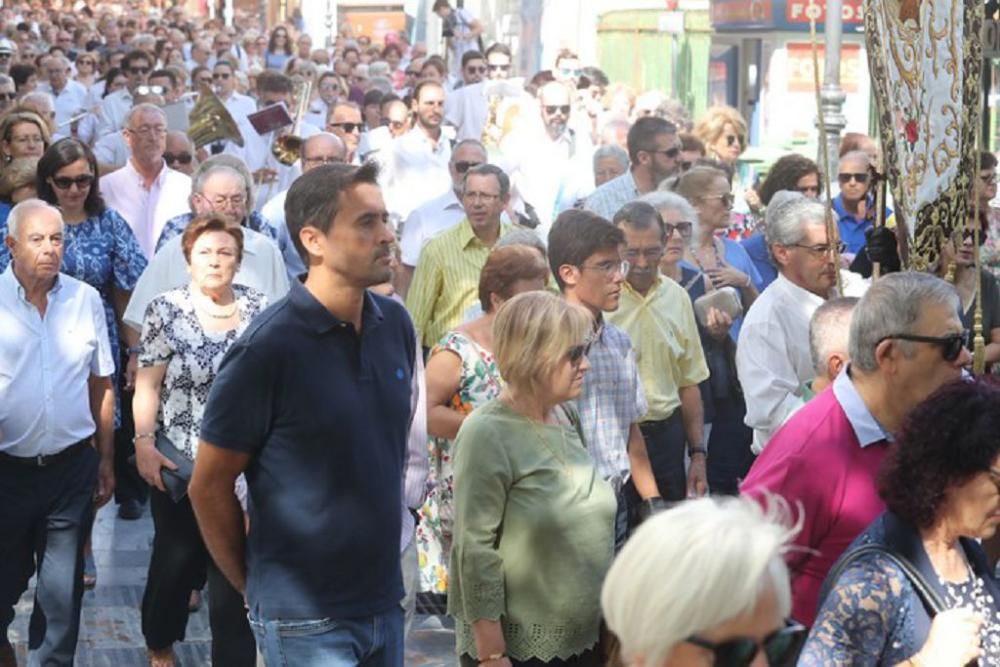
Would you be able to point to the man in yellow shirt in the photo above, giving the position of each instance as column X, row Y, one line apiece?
column 657, row 315
column 446, row 280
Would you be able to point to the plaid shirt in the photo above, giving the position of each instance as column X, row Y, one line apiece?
column 612, row 400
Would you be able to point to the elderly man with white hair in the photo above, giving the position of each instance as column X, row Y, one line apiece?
column 70, row 96
column 772, row 354
column 56, row 425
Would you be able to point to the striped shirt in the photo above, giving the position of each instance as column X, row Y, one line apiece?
column 446, row 280
column 612, row 400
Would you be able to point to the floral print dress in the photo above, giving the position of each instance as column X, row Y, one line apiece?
column 480, row 384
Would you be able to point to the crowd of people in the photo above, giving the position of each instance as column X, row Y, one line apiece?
column 534, row 350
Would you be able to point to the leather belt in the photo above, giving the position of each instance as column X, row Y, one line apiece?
column 44, row 460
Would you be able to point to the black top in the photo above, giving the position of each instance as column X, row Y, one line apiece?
column 324, row 413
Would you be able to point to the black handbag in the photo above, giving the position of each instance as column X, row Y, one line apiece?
column 174, row 481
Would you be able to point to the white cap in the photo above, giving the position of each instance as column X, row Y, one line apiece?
column 7, row 46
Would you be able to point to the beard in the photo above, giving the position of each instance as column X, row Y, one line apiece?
column 556, row 127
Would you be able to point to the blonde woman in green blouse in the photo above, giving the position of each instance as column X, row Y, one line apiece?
column 534, row 522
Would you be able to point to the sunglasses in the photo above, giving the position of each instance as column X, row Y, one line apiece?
column 182, row 158
column 499, row 68
column 478, row 69
column 732, row 139
column 552, row 109
column 951, row 345
column 221, row 75
column 727, row 198
column 779, row 647
column 861, row 179
column 207, row 80
column 150, row 90
column 139, row 70
column 81, row 182
column 989, row 179
column 578, row 352
column 8, row 96
column 671, row 153
column 682, row 228
column 970, row 235
column 350, row 128
column 462, row 167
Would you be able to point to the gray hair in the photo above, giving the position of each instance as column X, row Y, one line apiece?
column 145, row 107
column 829, row 330
column 892, row 306
column 488, row 169
column 787, row 225
column 40, row 96
column 381, row 84
column 523, row 236
column 24, row 210
column 671, row 201
column 5, row 80
column 378, row 68
column 211, row 167
column 613, row 151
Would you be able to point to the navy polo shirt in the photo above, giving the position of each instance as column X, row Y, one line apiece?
column 323, row 412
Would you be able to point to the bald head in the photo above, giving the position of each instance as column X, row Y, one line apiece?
column 322, row 148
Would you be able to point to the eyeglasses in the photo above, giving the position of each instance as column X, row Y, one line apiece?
column 224, row 76
column 476, row 69
column 823, row 249
column 5, row 56
column 463, row 166
column 139, row 70
column 394, row 124
column 609, row 268
column 951, row 345
column 568, row 71
column 564, row 109
column 8, row 96
column 732, row 139
column 148, row 129
column 861, row 179
column 182, row 158
column 150, row 90
column 350, row 128
column 650, row 254
column 499, row 68
column 577, row 353
column 726, row 198
column 741, row 652
column 82, row 182
column 222, row 200
column 480, row 197
column 683, row 228
column 322, row 159
column 207, row 80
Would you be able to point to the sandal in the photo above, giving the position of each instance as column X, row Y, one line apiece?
column 163, row 657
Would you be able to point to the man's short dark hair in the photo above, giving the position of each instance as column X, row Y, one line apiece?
column 165, row 74
column 642, row 135
column 987, row 160
column 270, row 81
column 596, row 77
column 314, row 198
column 471, row 55
column 640, row 216
column 438, row 4
column 490, row 170
column 134, row 55
column 576, row 235
column 498, row 47
column 425, row 83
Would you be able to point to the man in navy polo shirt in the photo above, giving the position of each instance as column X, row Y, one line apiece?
column 313, row 403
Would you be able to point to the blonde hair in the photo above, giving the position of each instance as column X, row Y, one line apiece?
column 693, row 567
column 710, row 127
column 18, row 173
column 532, row 333
column 693, row 183
column 21, row 115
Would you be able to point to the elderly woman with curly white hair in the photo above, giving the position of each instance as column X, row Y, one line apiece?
column 704, row 583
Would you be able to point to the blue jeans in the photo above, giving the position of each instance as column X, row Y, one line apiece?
column 370, row 641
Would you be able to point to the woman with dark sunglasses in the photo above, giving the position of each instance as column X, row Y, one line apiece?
column 719, row 596
column 941, row 487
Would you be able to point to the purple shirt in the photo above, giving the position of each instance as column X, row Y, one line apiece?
column 824, row 460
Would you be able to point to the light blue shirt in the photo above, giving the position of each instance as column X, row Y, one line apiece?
column 606, row 200
column 866, row 427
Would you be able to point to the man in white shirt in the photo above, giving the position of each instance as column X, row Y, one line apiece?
column 773, row 359
column 418, row 167
column 438, row 214
column 111, row 150
column 70, row 96
column 145, row 191
column 136, row 65
column 549, row 163
column 56, row 422
column 345, row 121
column 224, row 79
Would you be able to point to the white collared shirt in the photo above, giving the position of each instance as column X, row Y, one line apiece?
column 417, row 169
column 147, row 211
column 256, row 153
column 45, row 365
column 261, row 269
column 114, row 108
column 69, row 102
column 239, row 105
column 274, row 213
column 112, row 150
column 427, row 221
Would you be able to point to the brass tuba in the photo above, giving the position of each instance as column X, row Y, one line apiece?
column 210, row 121
column 287, row 147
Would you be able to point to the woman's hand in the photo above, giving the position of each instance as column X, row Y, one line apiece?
column 727, row 276
column 718, row 323
column 952, row 641
column 149, row 461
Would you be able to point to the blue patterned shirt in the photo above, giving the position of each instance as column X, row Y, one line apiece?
column 612, row 400
column 607, row 199
column 175, row 227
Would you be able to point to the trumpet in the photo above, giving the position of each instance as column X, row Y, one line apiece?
column 287, row 147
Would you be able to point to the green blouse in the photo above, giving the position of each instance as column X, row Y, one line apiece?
column 533, row 536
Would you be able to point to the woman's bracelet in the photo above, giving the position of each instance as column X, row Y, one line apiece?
column 143, row 436
column 135, row 349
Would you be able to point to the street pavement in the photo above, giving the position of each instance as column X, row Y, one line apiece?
column 110, row 627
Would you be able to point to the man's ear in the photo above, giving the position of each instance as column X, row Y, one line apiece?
column 312, row 240
column 834, row 364
column 569, row 274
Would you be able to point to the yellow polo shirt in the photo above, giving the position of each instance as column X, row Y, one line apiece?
column 446, row 281
column 665, row 336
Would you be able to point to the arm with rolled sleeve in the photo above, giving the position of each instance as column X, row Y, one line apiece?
column 770, row 383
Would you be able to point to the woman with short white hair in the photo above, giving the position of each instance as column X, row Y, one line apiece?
column 704, row 583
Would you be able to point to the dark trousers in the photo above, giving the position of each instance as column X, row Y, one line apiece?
column 588, row 658
column 179, row 558
column 129, row 485
column 45, row 516
column 665, row 443
column 729, row 454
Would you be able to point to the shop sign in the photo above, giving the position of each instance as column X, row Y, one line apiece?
column 801, row 77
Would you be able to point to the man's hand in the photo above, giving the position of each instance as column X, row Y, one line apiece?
column 131, row 367
column 105, row 481
column 697, row 477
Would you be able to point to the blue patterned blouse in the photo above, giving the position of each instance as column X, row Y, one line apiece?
column 102, row 252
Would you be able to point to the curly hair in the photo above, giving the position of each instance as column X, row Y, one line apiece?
column 785, row 175
column 945, row 441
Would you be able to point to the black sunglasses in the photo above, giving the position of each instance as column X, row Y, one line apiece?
column 733, row 138
column 671, row 153
column 350, row 128
column 779, row 647
column 951, row 345
column 682, row 228
column 500, row 68
column 221, row 75
column 82, row 182
column 578, row 352
column 462, row 167
column 183, row 158
column 8, row 96
column 862, row 179
column 478, row 69
column 139, row 70
column 562, row 108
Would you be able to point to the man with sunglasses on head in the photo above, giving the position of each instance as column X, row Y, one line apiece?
column 654, row 150
column 773, row 359
column 906, row 340
column 136, row 65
